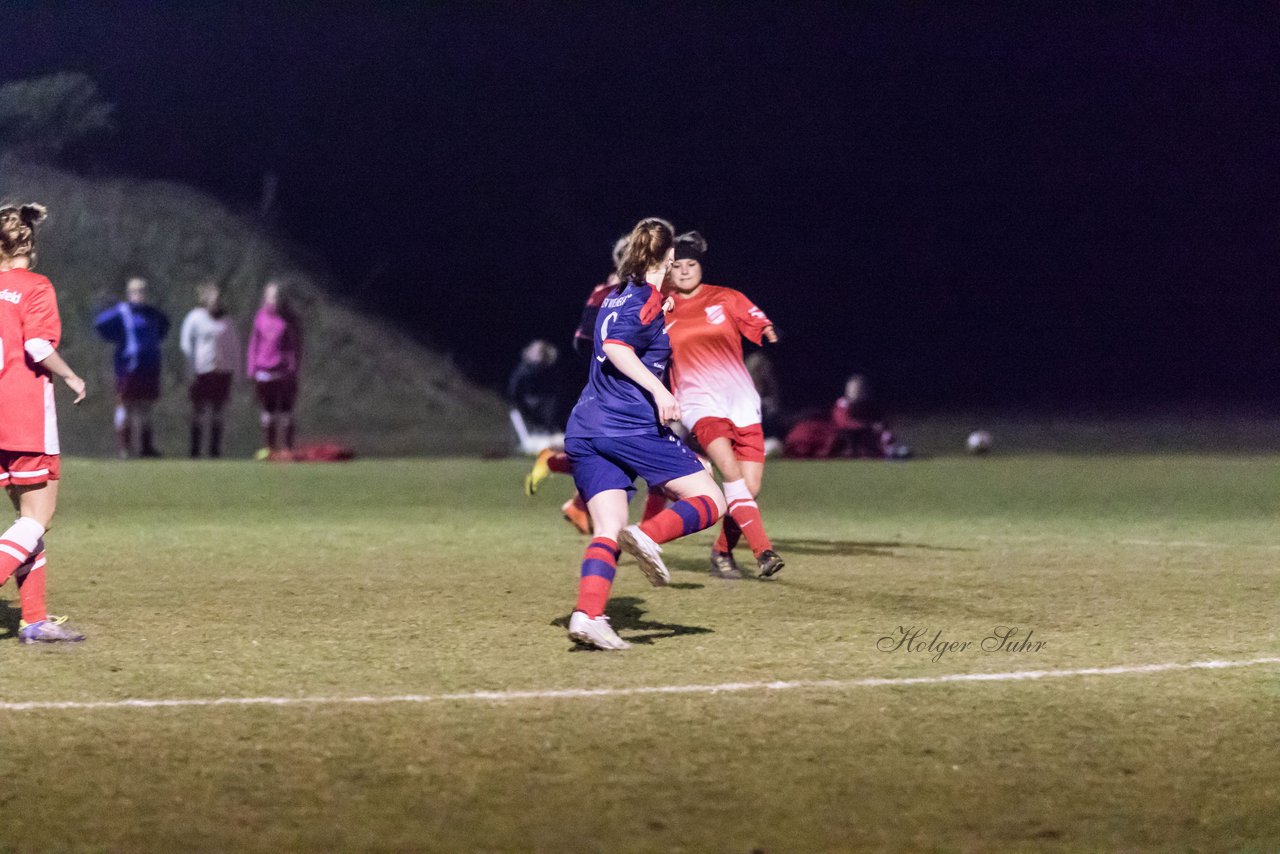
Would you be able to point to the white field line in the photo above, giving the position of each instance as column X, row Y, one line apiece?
column 1199, row 544
column 1173, row 544
column 595, row 693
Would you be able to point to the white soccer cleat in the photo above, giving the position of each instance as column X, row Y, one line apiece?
column 647, row 553
column 594, row 632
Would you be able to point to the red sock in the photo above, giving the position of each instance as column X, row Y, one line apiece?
column 654, row 504
column 559, row 463
column 599, row 565
column 730, row 533
column 687, row 516
column 31, row 591
column 747, row 516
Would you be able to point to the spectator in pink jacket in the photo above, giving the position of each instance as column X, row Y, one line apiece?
column 275, row 349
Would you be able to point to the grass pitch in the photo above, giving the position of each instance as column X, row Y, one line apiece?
column 381, row 578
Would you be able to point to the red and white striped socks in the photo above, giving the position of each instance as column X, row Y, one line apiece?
column 18, row 544
column 743, row 519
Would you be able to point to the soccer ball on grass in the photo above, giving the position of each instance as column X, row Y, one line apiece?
column 979, row 442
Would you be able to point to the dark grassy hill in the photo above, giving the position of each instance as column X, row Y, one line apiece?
column 363, row 382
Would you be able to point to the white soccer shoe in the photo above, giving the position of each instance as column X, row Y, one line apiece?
column 647, row 553
column 594, row 632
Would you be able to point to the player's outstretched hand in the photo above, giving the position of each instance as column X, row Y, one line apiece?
column 77, row 385
column 771, row 335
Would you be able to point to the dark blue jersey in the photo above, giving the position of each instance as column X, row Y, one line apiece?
column 611, row 404
column 136, row 330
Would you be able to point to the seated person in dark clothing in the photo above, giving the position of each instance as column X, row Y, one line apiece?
column 766, row 382
column 534, row 387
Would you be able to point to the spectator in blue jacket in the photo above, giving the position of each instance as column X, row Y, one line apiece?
column 136, row 329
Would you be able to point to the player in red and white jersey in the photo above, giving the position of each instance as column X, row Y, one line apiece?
column 29, row 462
column 718, row 401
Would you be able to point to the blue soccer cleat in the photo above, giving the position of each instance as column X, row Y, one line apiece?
column 49, row 630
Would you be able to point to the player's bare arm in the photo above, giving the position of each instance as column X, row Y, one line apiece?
column 58, row 366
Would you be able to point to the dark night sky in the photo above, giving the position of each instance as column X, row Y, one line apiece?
column 1009, row 203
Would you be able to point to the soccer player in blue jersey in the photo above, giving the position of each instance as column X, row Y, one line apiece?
column 618, row 432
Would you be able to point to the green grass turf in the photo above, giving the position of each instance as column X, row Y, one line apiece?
column 204, row 580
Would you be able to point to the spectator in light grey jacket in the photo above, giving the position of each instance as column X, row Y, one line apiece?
column 212, row 347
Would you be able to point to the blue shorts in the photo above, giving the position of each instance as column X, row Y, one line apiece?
column 603, row 462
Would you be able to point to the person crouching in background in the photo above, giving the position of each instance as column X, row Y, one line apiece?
column 534, row 388
column 861, row 427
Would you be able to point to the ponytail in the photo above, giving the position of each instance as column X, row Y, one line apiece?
column 17, row 230
column 647, row 245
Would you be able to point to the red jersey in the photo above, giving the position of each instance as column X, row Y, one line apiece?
column 708, row 377
column 28, row 310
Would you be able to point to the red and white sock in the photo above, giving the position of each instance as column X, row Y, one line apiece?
column 17, row 544
column 31, row 583
column 746, row 513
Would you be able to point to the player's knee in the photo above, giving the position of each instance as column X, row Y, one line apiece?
column 608, row 514
column 36, row 502
column 717, row 498
column 43, row 516
column 606, row 518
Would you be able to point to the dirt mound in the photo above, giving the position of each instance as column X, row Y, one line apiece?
column 364, row 383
